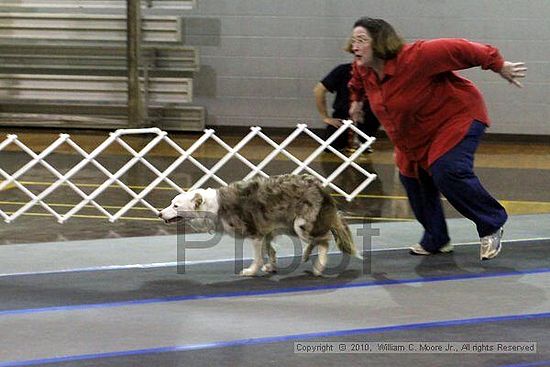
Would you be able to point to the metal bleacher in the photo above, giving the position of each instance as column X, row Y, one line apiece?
column 61, row 88
column 85, row 27
column 61, row 64
column 95, row 58
column 98, row 4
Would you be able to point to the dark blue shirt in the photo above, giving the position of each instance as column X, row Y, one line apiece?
column 336, row 82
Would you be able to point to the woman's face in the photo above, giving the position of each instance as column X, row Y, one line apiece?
column 361, row 46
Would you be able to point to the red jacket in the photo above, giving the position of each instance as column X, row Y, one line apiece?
column 424, row 106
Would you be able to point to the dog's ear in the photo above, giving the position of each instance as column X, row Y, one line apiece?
column 197, row 200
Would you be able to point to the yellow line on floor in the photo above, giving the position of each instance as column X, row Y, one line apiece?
column 69, row 205
column 384, row 219
column 168, row 188
column 81, row 184
column 42, row 183
column 489, row 155
column 82, row 216
column 506, row 203
column 87, row 216
column 351, row 217
column 513, row 206
column 368, row 196
column 521, row 206
column 8, row 187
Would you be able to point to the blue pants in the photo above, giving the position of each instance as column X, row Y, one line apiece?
column 452, row 175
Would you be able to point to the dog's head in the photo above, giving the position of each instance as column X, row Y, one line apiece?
column 190, row 204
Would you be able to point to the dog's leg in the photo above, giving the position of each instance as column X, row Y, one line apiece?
column 321, row 263
column 271, row 266
column 302, row 230
column 258, row 259
column 307, row 252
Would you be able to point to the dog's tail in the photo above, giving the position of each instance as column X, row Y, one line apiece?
column 342, row 235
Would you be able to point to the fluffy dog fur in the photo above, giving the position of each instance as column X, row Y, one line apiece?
column 256, row 208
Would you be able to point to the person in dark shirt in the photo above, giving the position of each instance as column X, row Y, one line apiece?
column 336, row 82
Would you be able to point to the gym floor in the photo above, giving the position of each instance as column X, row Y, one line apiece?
column 93, row 293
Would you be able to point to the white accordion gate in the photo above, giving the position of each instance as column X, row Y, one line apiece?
column 88, row 199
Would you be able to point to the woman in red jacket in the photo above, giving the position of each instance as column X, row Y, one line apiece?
column 435, row 119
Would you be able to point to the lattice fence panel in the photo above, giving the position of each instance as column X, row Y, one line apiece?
column 115, row 178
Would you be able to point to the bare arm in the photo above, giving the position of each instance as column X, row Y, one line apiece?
column 320, row 93
column 356, row 111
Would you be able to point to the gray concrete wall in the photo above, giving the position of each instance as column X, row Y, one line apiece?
column 261, row 58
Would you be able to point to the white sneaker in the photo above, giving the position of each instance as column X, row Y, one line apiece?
column 419, row 250
column 491, row 245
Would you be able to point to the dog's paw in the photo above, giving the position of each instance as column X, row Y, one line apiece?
column 248, row 272
column 317, row 271
column 269, row 268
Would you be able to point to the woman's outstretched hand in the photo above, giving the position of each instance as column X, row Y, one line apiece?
column 511, row 71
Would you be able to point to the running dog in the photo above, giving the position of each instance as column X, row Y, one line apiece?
column 256, row 208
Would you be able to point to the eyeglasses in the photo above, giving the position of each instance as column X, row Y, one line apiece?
column 360, row 39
